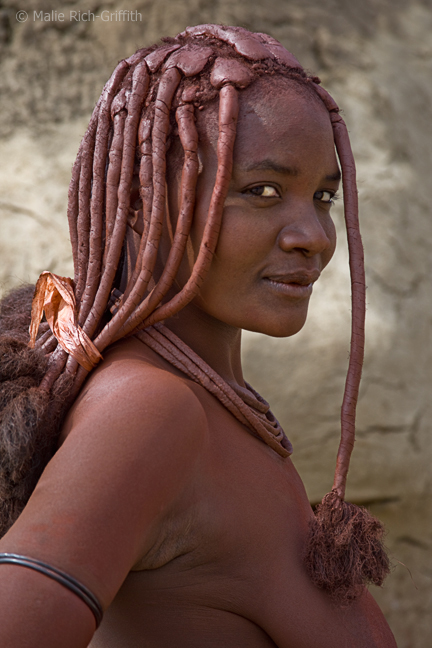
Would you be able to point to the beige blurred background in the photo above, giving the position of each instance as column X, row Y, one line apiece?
column 375, row 57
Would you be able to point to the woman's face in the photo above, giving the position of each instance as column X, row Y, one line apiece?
column 277, row 234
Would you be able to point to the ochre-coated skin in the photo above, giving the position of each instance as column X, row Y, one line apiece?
column 210, row 519
column 188, row 529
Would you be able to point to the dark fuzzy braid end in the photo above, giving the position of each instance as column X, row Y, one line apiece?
column 29, row 417
column 345, row 549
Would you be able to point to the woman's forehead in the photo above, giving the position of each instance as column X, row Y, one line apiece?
column 281, row 135
column 271, row 100
column 275, row 119
column 267, row 103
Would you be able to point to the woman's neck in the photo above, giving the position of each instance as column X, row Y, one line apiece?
column 217, row 343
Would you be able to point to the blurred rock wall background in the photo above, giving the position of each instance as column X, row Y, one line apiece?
column 375, row 57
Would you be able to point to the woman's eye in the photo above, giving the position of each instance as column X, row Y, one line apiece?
column 265, row 191
column 325, row 197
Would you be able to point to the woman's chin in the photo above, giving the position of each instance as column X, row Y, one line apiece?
column 279, row 328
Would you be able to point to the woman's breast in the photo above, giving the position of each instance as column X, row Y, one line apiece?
column 241, row 525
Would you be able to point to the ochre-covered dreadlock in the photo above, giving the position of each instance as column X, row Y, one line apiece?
column 148, row 97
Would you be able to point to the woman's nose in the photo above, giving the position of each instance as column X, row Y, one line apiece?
column 307, row 234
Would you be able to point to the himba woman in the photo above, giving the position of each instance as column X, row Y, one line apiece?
column 162, row 492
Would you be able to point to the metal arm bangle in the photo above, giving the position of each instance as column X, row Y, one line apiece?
column 61, row 577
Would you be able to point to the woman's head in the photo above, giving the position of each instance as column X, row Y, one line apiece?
column 152, row 97
column 276, row 234
column 184, row 98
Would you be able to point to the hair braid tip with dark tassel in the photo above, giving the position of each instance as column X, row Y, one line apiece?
column 148, row 96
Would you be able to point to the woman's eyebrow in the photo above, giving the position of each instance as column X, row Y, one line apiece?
column 337, row 176
column 270, row 165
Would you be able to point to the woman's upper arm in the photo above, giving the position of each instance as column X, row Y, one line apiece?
column 134, row 439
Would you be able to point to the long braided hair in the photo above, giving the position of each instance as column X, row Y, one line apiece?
column 150, row 100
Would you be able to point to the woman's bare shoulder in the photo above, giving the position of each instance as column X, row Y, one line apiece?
column 134, row 386
column 132, row 447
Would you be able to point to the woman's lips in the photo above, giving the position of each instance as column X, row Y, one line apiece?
column 291, row 289
column 297, row 285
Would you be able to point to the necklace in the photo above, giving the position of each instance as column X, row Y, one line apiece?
column 246, row 405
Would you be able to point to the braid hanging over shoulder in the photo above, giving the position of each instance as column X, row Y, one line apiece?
column 150, row 97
